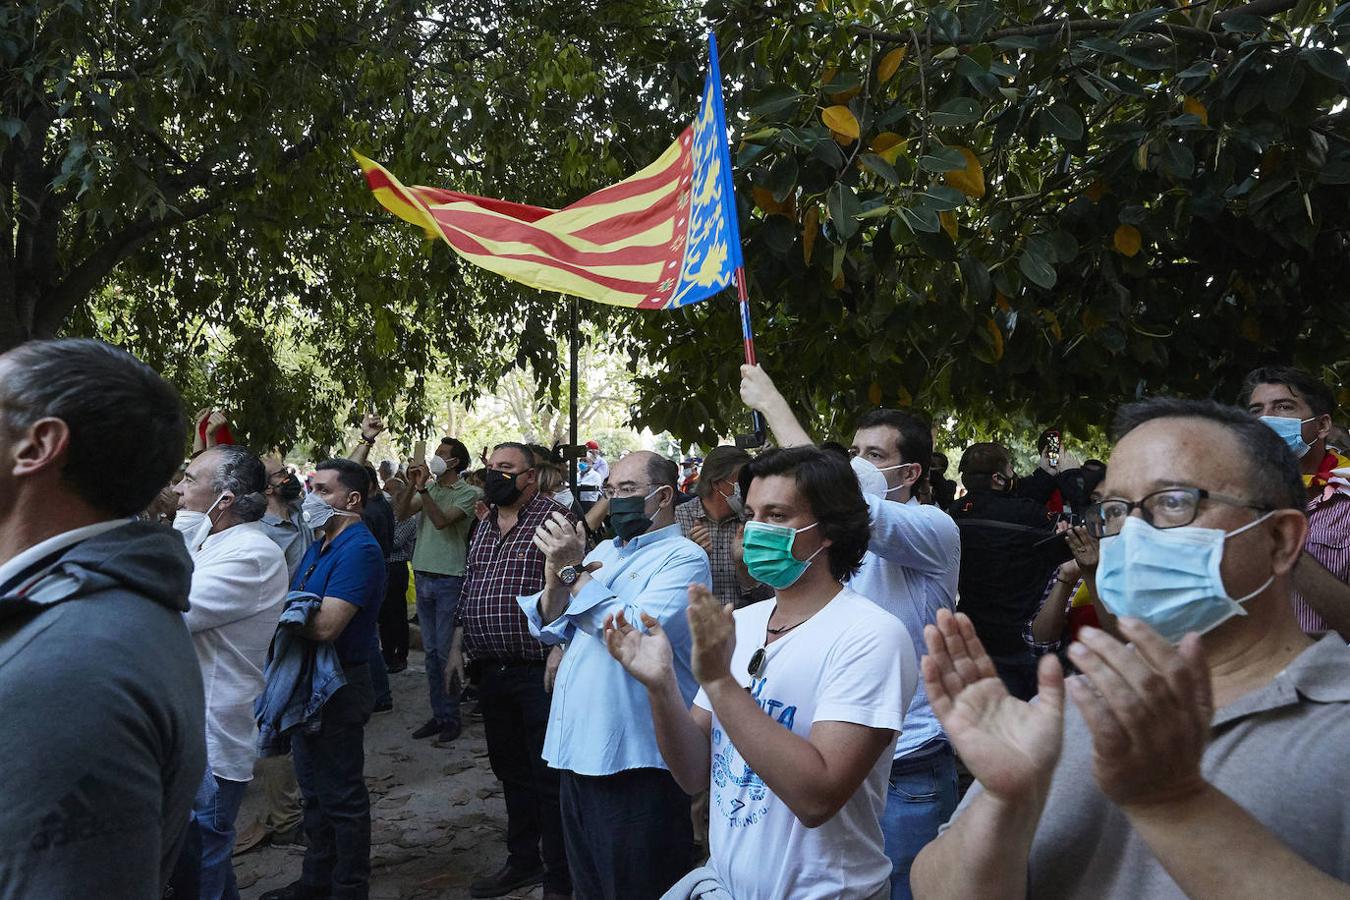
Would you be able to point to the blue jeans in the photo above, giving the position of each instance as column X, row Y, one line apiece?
column 379, row 674
column 213, row 814
column 921, row 797
column 437, row 600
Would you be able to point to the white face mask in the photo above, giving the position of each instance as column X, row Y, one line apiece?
column 563, row 497
column 437, row 466
column 195, row 527
column 317, row 512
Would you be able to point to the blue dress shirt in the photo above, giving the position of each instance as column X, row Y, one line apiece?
column 600, row 722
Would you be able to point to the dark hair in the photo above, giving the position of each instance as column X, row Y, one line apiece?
column 835, row 447
column 126, row 422
column 351, row 475
column 1272, row 470
column 943, row 457
column 831, row 491
column 663, row 473
column 242, row 473
column 915, row 436
column 523, row 449
column 720, row 464
column 980, row 462
column 542, row 455
column 1313, row 390
column 461, row 452
column 1094, row 464
column 373, row 477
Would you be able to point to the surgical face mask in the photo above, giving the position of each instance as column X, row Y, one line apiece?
column 870, row 479
column 563, row 497
column 437, row 466
column 195, row 527
column 317, row 512
column 628, row 516
column 1170, row 577
column 1291, row 430
column 734, row 501
column 767, row 552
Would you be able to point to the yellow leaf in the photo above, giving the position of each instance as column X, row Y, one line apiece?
column 842, row 140
column 1053, row 319
column 970, row 180
column 810, row 228
column 874, row 393
column 889, row 145
column 839, row 282
column 764, row 200
column 903, row 396
column 1095, row 191
column 845, row 96
column 1091, row 321
column 827, row 74
column 995, row 338
column 840, row 119
column 1141, row 157
column 890, row 64
column 1002, row 302
column 948, row 220
column 1127, row 240
column 1195, row 108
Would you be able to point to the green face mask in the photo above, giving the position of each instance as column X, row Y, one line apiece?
column 767, row 551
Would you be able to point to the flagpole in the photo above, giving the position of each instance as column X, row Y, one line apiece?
column 758, row 434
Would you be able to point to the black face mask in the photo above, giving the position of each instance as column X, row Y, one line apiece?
column 500, row 488
column 288, row 490
column 628, row 517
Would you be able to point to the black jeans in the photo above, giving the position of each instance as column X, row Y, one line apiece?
column 394, row 615
column 515, row 718
column 629, row 835
column 330, row 768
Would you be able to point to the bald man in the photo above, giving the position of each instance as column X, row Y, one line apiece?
column 626, row 823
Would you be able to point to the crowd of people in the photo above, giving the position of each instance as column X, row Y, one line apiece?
column 818, row 670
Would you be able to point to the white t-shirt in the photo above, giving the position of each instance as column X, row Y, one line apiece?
column 850, row 662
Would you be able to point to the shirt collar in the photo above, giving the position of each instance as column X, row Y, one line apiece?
column 651, row 537
column 22, row 560
column 1321, row 674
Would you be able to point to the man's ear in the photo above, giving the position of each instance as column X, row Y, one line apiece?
column 42, row 446
column 1323, row 426
column 1290, row 530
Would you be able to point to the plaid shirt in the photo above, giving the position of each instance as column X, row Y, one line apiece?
column 502, row 567
column 725, row 584
column 1328, row 543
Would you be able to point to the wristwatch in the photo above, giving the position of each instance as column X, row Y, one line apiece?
column 569, row 574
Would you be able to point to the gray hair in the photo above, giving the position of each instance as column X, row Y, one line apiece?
column 1273, row 474
column 241, row 472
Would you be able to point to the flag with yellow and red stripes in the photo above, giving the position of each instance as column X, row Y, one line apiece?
column 664, row 237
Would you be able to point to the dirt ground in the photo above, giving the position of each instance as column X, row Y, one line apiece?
column 437, row 816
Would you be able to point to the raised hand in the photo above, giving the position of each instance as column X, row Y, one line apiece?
column 757, row 388
column 1010, row 746
column 371, row 426
column 646, row 656
column 713, row 630
column 1149, row 709
column 1085, row 548
column 417, row 476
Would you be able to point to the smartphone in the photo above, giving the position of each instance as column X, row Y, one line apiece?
column 420, row 453
column 1052, row 448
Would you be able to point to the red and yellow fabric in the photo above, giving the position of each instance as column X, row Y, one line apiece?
column 1333, row 474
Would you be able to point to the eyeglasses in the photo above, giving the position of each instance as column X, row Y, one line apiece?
column 1168, row 508
column 625, row 489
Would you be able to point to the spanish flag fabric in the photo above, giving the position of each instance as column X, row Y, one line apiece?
column 664, row 237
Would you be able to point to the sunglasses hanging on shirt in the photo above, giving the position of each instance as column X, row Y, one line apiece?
column 760, row 661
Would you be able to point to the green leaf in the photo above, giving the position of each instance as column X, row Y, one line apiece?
column 779, row 233
column 975, row 279
column 940, row 198
column 920, row 219
column 11, row 127
column 775, row 99
column 1243, row 23
column 881, row 167
column 957, row 112
column 1064, row 121
column 1327, row 63
column 1335, row 172
column 844, row 209
column 1282, row 86
column 782, row 178
column 1140, row 20
column 1176, row 160
column 1036, row 268
column 942, row 159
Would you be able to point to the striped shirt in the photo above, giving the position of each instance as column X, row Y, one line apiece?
column 1328, row 543
column 502, row 567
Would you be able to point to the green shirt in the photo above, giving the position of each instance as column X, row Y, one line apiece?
column 441, row 551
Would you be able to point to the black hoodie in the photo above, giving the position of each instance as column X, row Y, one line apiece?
column 102, row 737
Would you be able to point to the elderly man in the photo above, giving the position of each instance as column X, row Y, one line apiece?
column 103, row 737
column 238, row 584
column 626, row 823
column 1205, row 760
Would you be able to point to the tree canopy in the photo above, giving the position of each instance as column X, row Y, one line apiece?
column 987, row 209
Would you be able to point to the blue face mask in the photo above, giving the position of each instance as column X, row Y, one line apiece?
column 1291, row 430
column 1169, row 577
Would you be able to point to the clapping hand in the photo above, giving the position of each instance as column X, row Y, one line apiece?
column 1148, row 707
column 563, row 543
column 714, row 636
column 1011, row 747
column 699, row 535
column 646, row 656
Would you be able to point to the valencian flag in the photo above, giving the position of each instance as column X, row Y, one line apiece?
column 662, row 238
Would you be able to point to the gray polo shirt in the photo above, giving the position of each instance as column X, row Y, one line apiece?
column 1278, row 752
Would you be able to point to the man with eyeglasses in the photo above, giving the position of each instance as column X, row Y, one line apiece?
column 1299, row 408
column 492, row 635
column 1009, row 549
column 910, row 570
column 626, row 821
column 1206, row 758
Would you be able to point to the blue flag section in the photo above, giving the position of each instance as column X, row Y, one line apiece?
column 714, row 236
